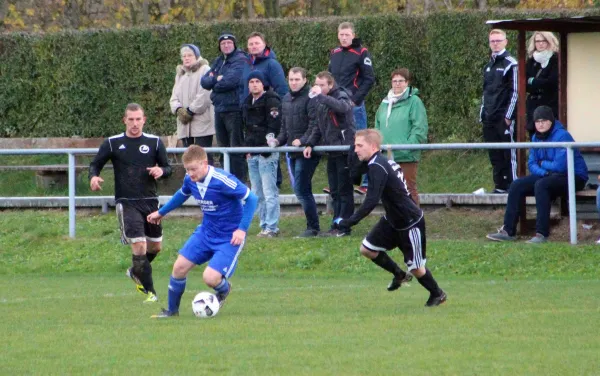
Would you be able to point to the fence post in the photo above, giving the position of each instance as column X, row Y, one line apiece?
column 72, row 178
column 226, row 161
column 572, row 202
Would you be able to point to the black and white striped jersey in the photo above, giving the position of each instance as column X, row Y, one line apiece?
column 130, row 158
column 386, row 183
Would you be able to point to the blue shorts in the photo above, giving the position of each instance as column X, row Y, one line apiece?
column 221, row 255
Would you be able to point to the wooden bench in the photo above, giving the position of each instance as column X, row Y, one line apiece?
column 49, row 176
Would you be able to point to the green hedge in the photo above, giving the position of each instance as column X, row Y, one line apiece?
column 77, row 83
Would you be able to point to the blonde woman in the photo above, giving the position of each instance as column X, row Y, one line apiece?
column 542, row 75
column 190, row 102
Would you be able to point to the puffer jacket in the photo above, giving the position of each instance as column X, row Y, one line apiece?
column 266, row 63
column 226, row 93
column 331, row 119
column 188, row 93
column 261, row 118
column 406, row 124
column 554, row 160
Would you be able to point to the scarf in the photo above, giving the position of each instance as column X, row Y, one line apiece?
column 392, row 99
column 543, row 57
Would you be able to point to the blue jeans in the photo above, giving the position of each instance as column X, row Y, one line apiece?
column 545, row 189
column 360, row 121
column 303, row 170
column 263, row 179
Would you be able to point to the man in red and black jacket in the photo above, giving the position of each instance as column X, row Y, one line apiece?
column 352, row 67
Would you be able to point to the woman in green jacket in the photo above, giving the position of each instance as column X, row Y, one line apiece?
column 402, row 119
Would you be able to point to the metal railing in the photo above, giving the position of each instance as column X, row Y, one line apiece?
column 569, row 146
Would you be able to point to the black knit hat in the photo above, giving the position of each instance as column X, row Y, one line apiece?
column 227, row 36
column 543, row 113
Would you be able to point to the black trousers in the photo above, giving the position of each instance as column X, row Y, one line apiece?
column 229, row 130
column 204, row 141
column 340, row 184
column 545, row 189
column 504, row 161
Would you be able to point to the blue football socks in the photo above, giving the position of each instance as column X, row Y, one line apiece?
column 176, row 289
column 223, row 287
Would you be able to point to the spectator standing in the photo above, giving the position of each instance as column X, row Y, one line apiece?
column 263, row 58
column 190, row 102
column 542, row 75
column 262, row 120
column 332, row 123
column 498, row 109
column 351, row 65
column 548, row 178
column 295, row 132
column 223, row 79
column 402, row 119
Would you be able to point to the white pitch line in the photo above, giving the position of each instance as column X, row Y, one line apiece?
column 123, row 295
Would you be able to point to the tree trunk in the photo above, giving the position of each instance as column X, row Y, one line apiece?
column 250, row 13
column 238, row 9
column 481, row 4
column 145, row 12
column 315, row 8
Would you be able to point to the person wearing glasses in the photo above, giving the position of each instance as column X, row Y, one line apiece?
column 542, row 75
column 499, row 108
column 402, row 119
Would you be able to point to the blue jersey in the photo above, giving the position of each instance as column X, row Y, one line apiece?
column 220, row 197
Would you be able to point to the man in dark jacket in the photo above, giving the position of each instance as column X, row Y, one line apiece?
column 262, row 120
column 352, row 67
column 548, row 178
column 223, row 79
column 295, row 132
column 332, row 123
column 263, row 58
column 498, row 109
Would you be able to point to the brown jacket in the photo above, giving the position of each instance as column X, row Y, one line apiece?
column 188, row 93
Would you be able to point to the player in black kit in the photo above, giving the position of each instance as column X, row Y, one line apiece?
column 138, row 159
column 402, row 226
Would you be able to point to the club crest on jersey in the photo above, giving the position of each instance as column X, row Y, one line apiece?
column 274, row 113
column 144, row 149
column 368, row 61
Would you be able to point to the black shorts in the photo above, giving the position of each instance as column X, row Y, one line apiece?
column 131, row 215
column 412, row 241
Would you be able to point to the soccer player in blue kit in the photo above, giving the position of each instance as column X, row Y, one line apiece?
column 228, row 207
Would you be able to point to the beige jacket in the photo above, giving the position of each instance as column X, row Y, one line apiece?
column 187, row 92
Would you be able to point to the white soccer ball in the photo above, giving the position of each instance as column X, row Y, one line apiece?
column 205, row 305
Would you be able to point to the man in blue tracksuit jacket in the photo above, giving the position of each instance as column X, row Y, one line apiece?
column 547, row 181
column 223, row 79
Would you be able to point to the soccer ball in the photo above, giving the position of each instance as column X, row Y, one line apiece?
column 205, row 305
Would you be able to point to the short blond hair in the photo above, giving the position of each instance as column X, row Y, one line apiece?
column 498, row 31
column 194, row 153
column 371, row 136
column 553, row 44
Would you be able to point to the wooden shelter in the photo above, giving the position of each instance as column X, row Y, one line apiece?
column 578, row 89
column 578, row 77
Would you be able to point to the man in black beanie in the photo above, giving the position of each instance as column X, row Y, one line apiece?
column 548, row 179
column 223, row 79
